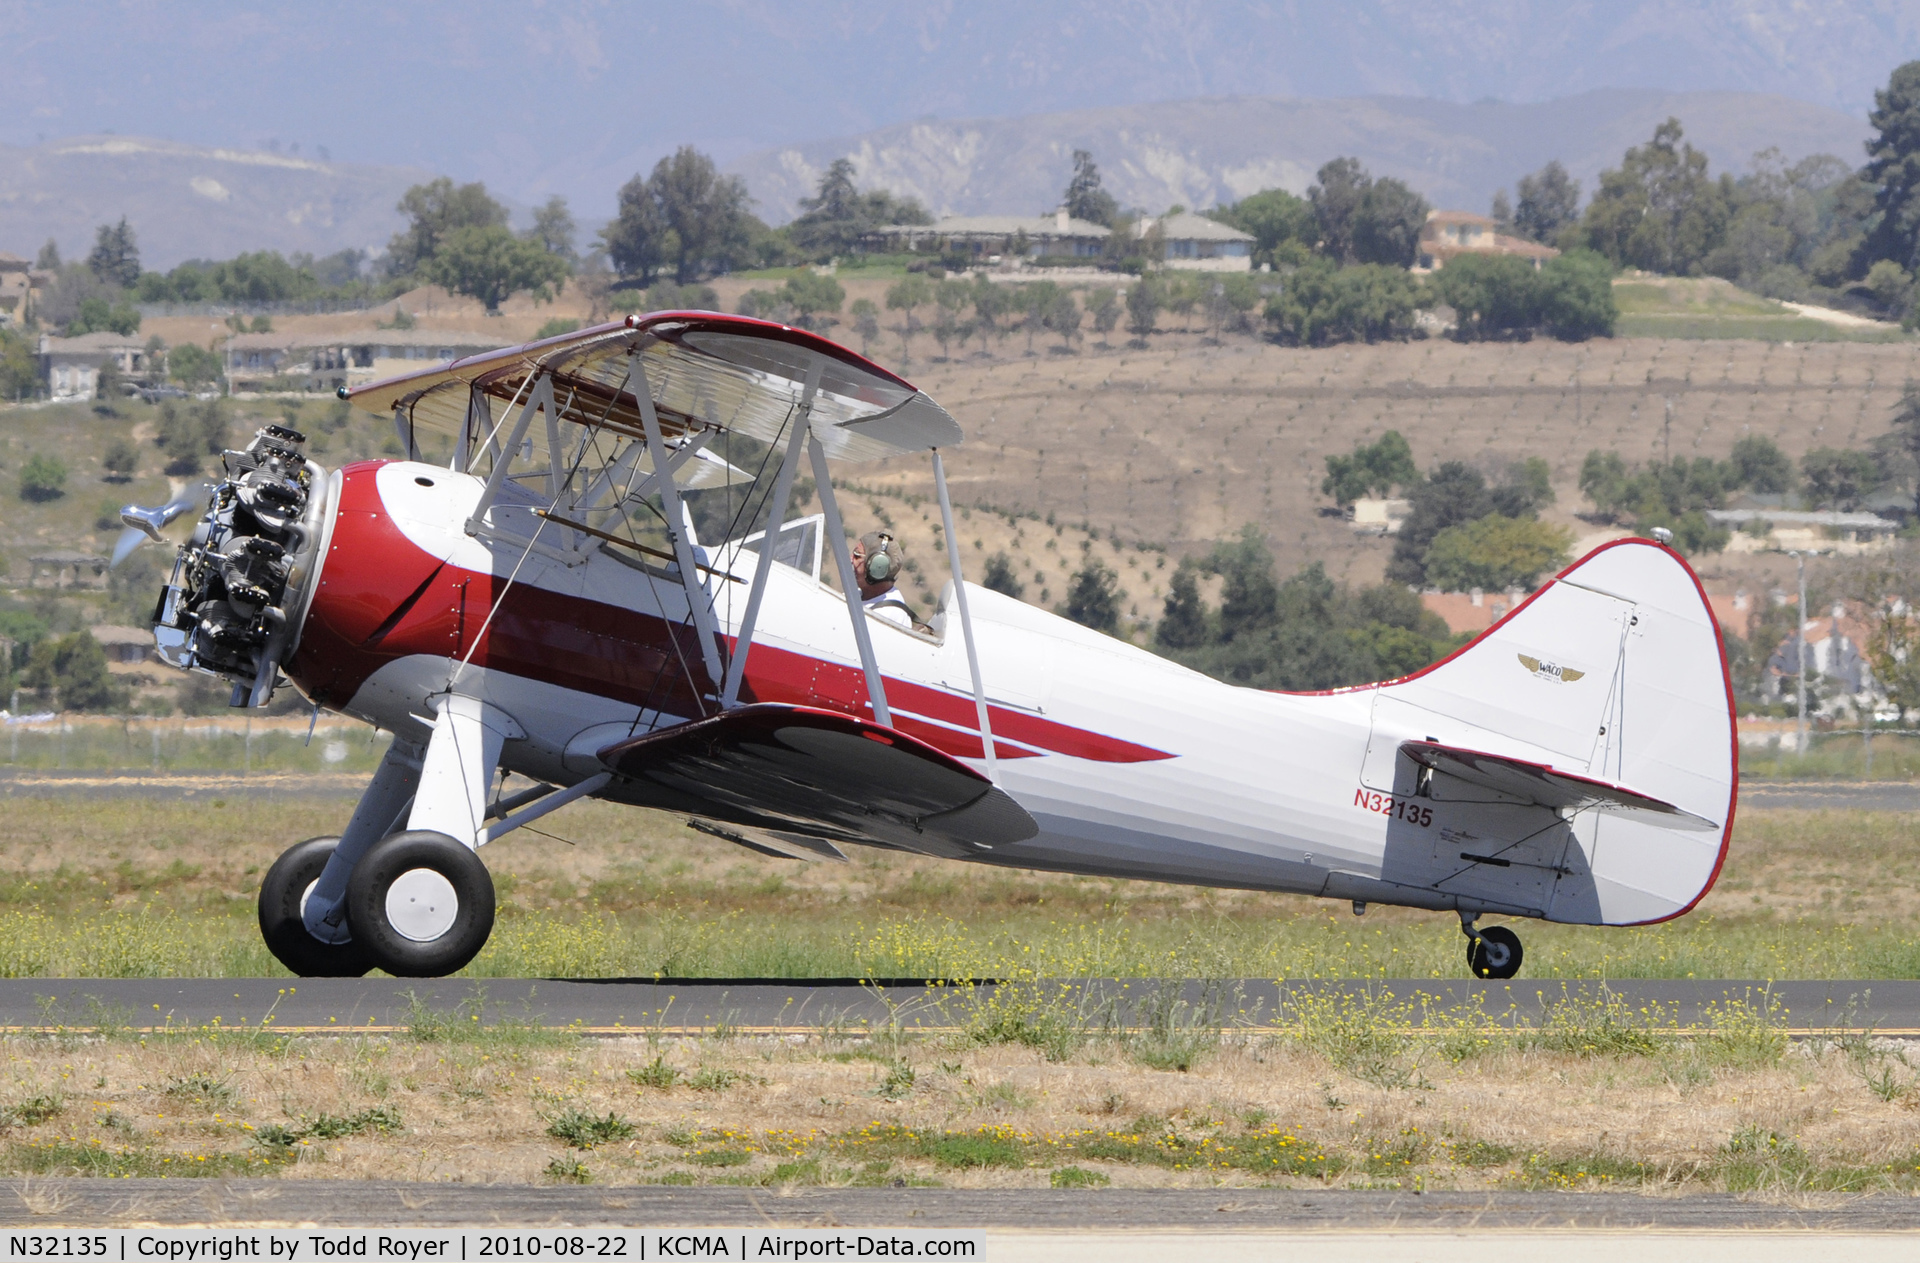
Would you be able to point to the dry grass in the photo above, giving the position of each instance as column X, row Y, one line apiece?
column 1281, row 1105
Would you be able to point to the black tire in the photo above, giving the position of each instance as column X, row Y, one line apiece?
column 1495, row 954
column 282, row 891
column 431, row 939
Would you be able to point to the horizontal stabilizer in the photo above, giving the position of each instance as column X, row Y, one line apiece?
column 1549, row 787
column 797, row 770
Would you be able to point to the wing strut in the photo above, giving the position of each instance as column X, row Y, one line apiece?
column 699, row 602
column 876, row 691
column 966, row 619
column 782, row 489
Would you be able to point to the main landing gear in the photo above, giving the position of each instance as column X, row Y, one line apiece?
column 418, row 905
column 1493, row 952
column 401, row 888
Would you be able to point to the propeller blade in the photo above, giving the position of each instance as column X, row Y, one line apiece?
column 145, row 524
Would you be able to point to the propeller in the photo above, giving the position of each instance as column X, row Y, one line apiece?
column 146, row 524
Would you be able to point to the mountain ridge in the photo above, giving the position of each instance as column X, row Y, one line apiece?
column 1204, row 151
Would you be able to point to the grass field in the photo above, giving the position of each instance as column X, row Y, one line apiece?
column 146, row 888
column 1367, row 1092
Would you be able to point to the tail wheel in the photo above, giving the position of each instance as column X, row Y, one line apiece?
column 422, row 903
column 1495, row 953
column 283, row 894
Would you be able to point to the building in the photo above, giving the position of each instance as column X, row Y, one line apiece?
column 988, row 237
column 1779, row 530
column 67, row 569
column 1449, row 234
column 1837, row 668
column 1198, row 244
column 20, row 288
column 325, row 362
column 125, row 646
column 1378, row 517
column 71, row 366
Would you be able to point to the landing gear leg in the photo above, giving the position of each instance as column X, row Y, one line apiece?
column 303, row 915
column 1494, row 952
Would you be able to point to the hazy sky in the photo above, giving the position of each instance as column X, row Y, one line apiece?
column 538, row 97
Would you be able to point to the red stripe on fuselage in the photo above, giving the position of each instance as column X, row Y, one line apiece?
column 372, row 568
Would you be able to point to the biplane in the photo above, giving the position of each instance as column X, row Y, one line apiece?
column 542, row 604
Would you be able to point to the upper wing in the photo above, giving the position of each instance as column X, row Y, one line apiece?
column 793, row 768
column 1547, row 786
column 704, row 370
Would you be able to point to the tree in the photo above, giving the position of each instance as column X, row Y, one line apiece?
column 1143, row 306
column 838, row 215
column 121, row 459
column 48, row 260
column 491, row 264
column 706, row 211
column 19, row 368
column 1335, row 197
column 1183, row 619
column 553, row 231
column 1492, row 295
column 1840, row 478
column 637, row 239
column 1387, row 229
column 97, row 316
column 950, row 299
column 999, row 575
column 1373, row 469
column 1036, row 304
column 1495, row 553
column 1501, row 211
column 905, row 296
column 1893, row 168
column 1104, row 307
column 1576, row 296
column 107, row 382
column 42, row 478
column 1249, row 595
column 1063, row 316
column 193, row 365
column 1453, row 495
column 866, row 322
column 1274, row 217
column 1093, row 598
column 813, row 296
column 73, row 669
column 1759, row 464
column 1549, row 201
column 115, row 259
column 1321, row 304
column 434, row 211
column 1658, row 209
column 1084, row 198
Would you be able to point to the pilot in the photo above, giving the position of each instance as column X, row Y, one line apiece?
column 876, row 560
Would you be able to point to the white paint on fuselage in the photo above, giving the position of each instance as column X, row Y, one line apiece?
column 1259, row 792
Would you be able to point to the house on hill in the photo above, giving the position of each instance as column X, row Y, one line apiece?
column 1776, row 530
column 20, row 288
column 984, row 236
column 328, row 361
column 1198, row 244
column 1836, row 663
column 1449, row 234
column 71, row 366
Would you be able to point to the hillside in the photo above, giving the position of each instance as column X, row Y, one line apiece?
column 1202, row 152
column 193, row 201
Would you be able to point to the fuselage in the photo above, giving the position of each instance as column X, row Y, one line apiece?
column 1133, row 766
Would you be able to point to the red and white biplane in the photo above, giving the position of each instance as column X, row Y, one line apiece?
column 541, row 605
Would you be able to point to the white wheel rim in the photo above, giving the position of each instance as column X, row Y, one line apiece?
column 421, row 905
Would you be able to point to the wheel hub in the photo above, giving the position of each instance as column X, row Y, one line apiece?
column 421, row 905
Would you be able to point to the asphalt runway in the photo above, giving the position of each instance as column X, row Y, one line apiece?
column 189, row 786
column 612, row 1007
column 358, row 1203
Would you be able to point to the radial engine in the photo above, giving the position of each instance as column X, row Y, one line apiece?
column 239, row 589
